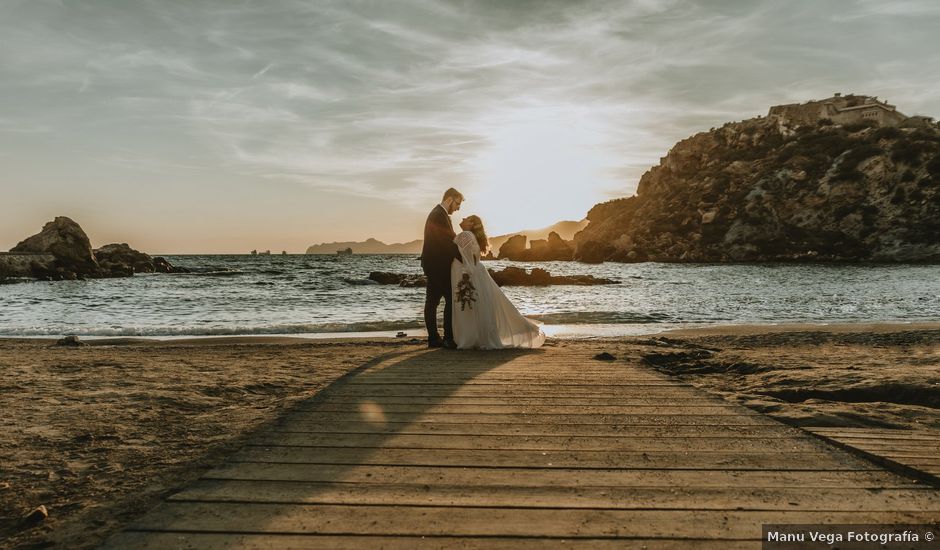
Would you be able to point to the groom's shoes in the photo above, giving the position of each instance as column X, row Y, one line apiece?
column 446, row 344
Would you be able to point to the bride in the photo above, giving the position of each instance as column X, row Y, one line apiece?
column 488, row 320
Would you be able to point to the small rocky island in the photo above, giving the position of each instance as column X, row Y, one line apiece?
column 845, row 179
column 62, row 251
column 554, row 248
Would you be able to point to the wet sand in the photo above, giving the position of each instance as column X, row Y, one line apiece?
column 101, row 433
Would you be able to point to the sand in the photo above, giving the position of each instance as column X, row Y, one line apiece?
column 100, row 434
column 885, row 376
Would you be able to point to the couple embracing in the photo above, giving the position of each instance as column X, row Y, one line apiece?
column 477, row 315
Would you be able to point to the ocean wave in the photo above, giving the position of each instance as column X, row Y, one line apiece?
column 565, row 318
column 601, row 317
column 359, row 282
column 293, row 328
column 215, row 272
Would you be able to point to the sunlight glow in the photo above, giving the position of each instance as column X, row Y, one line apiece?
column 372, row 413
column 544, row 165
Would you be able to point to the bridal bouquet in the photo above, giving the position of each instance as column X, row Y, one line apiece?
column 466, row 293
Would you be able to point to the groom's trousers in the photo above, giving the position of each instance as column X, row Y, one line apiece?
column 439, row 287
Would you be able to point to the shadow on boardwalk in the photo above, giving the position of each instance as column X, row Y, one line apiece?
column 544, row 448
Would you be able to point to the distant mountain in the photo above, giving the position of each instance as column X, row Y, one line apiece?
column 566, row 230
column 370, row 246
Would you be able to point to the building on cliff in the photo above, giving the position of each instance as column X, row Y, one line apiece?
column 840, row 109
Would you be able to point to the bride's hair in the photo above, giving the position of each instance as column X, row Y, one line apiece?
column 479, row 233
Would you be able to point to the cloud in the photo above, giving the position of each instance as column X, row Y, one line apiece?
column 397, row 99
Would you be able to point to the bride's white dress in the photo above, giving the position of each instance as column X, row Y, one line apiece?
column 492, row 322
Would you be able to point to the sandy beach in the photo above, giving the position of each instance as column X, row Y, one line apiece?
column 99, row 434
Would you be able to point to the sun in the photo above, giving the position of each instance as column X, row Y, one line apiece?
column 543, row 165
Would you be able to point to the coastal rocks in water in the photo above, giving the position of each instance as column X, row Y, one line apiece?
column 121, row 259
column 161, row 265
column 512, row 247
column 16, row 267
column 516, row 276
column 65, row 240
column 409, row 281
column 554, row 248
column 780, row 188
column 62, row 251
column 124, row 260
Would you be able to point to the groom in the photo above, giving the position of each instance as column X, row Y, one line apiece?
column 436, row 257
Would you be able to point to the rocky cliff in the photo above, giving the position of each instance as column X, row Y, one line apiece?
column 768, row 189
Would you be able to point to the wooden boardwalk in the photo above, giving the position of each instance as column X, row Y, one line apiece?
column 546, row 448
column 915, row 450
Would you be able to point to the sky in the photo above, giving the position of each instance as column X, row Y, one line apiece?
column 221, row 126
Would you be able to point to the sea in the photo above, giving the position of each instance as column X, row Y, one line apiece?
column 320, row 296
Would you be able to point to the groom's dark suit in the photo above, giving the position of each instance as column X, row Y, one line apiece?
column 436, row 257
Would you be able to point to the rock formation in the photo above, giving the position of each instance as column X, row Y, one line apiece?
column 558, row 248
column 121, row 260
column 773, row 189
column 554, row 248
column 513, row 247
column 62, row 250
column 565, row 229
column 65, row 240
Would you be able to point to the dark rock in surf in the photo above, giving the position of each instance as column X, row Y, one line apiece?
column 408, row 281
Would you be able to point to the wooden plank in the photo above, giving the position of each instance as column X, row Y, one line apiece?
column 551, row 459
column 885, row 432
column 516, row 377
column 913, row 453
column 538, row 443
column 502, row 391
column 919, row 463
column 489, row 521
column 507, row 400
column 564, row 477
column 446, row 407
column 875, row 437
column 144, row 540
column 876, row 443
column 523, row 379
column 522, row 418
column 607, row 498
column 745, row 431
column 420, row 383
column 892, row 448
